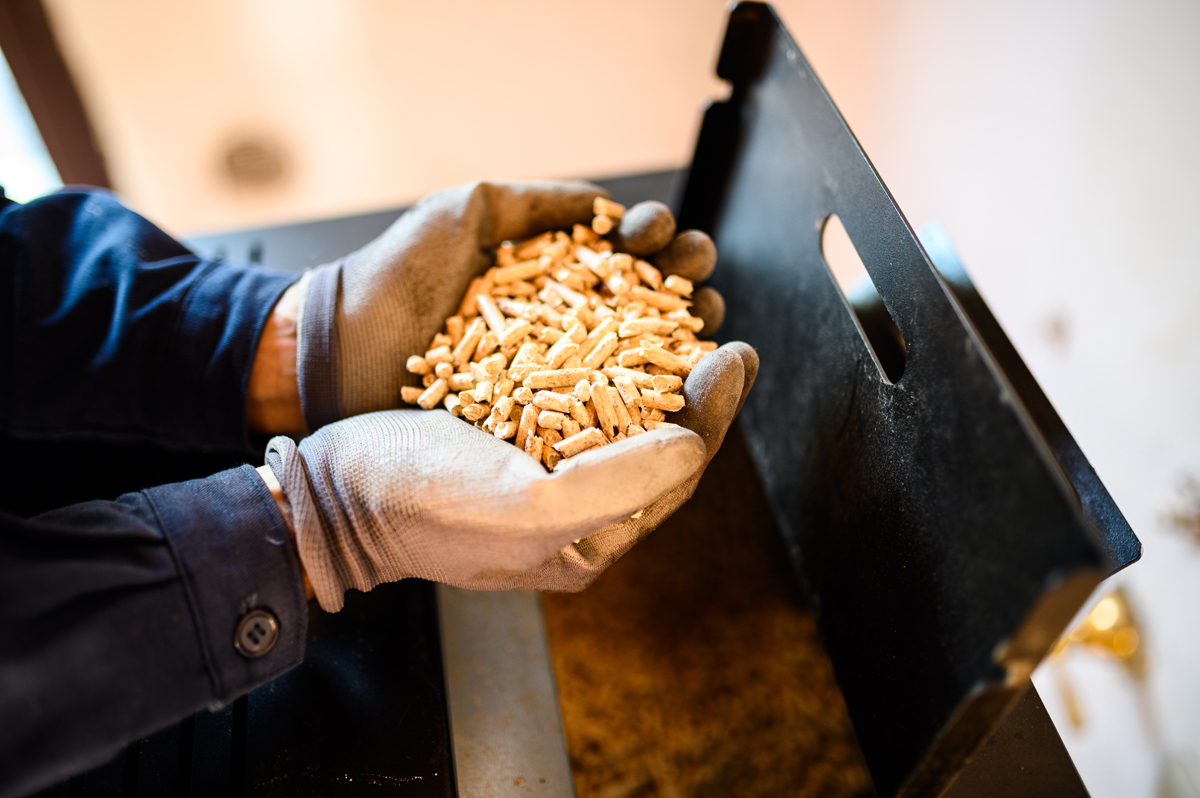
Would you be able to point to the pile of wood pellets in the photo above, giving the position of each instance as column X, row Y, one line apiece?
column 564, row 345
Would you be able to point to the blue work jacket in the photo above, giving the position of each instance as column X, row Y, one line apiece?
column 118, row 616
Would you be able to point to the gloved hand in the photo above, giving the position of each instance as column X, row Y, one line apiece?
column 365, row 314
column 413, row 493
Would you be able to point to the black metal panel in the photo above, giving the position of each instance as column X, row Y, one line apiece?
column 106, row 781
column 940, row 538
column 216, row 762
column 1025, row 757
column 159, row 760
column 365, row 714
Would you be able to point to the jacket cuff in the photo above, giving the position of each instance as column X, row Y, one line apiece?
column 241, row 576
column 218, row 334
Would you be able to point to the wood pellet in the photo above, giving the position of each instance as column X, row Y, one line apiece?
column 564, row 345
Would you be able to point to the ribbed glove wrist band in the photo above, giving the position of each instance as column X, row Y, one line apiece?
column 317, row 360
column 313, row 539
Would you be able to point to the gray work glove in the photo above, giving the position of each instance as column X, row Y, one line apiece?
column 365, row 314
column 413, row 493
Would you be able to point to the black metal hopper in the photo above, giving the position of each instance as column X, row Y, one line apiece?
column 943, row 521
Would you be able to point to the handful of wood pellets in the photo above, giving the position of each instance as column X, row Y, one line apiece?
column 564, row 345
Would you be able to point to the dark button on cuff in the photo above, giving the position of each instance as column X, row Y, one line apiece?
column 256, row 633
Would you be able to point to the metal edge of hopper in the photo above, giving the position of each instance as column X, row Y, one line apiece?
column 505, row 728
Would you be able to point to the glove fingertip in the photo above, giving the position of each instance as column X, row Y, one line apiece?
column 692, row 255
column 713, row 392
column 709, row 305
column 749, row 367
column 749, row 357
column 646, row 228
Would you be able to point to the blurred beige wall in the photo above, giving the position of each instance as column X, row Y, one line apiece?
column 1054, row 140
column 377, row 103
column 374, row 104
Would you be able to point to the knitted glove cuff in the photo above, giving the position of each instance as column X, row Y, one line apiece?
column 312, row 539
column 317, row 358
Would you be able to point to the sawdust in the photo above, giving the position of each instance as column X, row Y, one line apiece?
column 692, row 666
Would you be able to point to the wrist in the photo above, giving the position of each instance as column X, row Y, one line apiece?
column 273, row 397
column 268, row 476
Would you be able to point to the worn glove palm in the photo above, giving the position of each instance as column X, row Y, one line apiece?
column 409, row 493
column 366, row 313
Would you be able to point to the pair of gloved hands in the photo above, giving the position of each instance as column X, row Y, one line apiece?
column 375, row 494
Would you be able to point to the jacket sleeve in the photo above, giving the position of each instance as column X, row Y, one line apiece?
column 119, row 617
column 110, row 329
